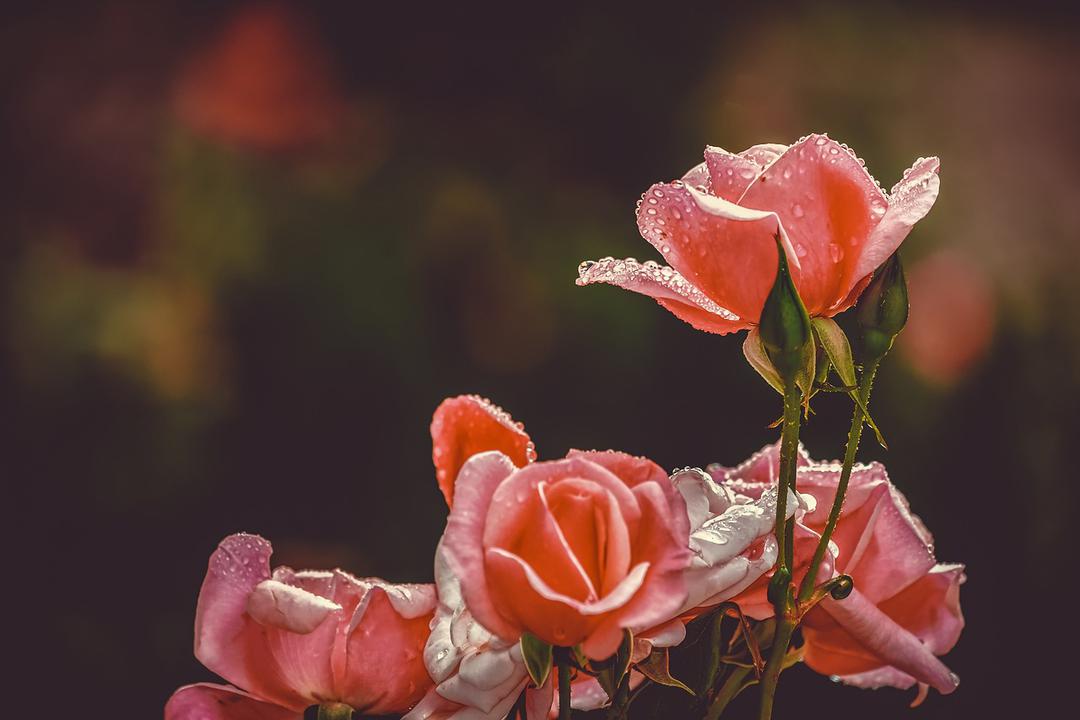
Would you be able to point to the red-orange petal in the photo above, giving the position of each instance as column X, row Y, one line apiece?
column 469, row 424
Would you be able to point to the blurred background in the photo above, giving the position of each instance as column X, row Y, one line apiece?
column 249, row 246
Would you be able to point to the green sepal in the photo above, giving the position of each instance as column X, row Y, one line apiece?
column 836, row 346
column 786, row 332
column 755, row 354
column 538, row 656
column 610, row 672
column 656, row 667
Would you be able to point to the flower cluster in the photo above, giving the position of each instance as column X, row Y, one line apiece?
column 565, row 583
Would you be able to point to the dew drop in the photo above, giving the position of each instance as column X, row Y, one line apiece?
column 800, row 250
column 787, row 173
column 836, row 252
column 797, row 210
column 747, row 173
column 822, row 140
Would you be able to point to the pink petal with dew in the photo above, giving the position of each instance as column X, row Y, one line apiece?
column 881, row 636
column 828, row 204
column 726, row 251
column 730, row 174
column 288, row 668
column 765, row 153
column 207, row 701
column 469, row 424
column 463, row 540
column 909, row 202
column 880, row 545
column 663, row 284
column 384, row 671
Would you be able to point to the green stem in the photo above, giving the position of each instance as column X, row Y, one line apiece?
column 785, row 532
column 734, row 684
column 785, row 628
column 854, row 435
column 789, row 445
column 620, row 703
column 335, row 711
column 564, row 688
column 712, row 663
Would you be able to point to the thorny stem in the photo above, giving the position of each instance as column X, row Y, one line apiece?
column 564, row 687
column 854, row 435
column 734, row 684
column 621, row 701
column 784, row 597
column 712, row 664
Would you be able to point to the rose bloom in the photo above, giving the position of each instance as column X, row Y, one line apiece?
column 716, row 226
column 905, row 607
column 476, row 673
column 295, row 639
column 572, row 551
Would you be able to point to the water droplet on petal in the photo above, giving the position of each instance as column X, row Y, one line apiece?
column 836, row 252
column 800, row 250
column 797, row 210
column 787, row 173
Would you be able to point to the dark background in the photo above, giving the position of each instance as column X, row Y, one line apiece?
column 250, row 246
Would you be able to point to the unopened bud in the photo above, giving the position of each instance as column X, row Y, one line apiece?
column 785, row 328
column 882, row 311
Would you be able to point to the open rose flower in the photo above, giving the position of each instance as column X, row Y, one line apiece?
column 292, row 639
column 478, row 674
column 573, row 551
column 716, row 227
column 905, row 608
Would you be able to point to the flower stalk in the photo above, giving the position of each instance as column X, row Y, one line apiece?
column 562, row 663
column 781, row 588
column 866, row 383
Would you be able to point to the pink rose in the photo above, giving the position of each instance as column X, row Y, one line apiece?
column 905, row 608
column 716, row 227
column 573, row 551
column 295, row 639
column 478, row 674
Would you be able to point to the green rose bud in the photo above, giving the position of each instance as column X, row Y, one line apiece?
column 785, row 329
column 882, row 311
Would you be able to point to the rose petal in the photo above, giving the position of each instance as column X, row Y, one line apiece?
column 879, row 634
column 730, row 174
column 288, row 608
column 232, row 644
column 930, row 608
column 909, row 202
column 670, row 289
column 880, row 547
column 463, row 539
column 828, row 205
column 725, row 250
column 207, row 701
column 765, row 153
column 466, row 425
column 384, row 671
